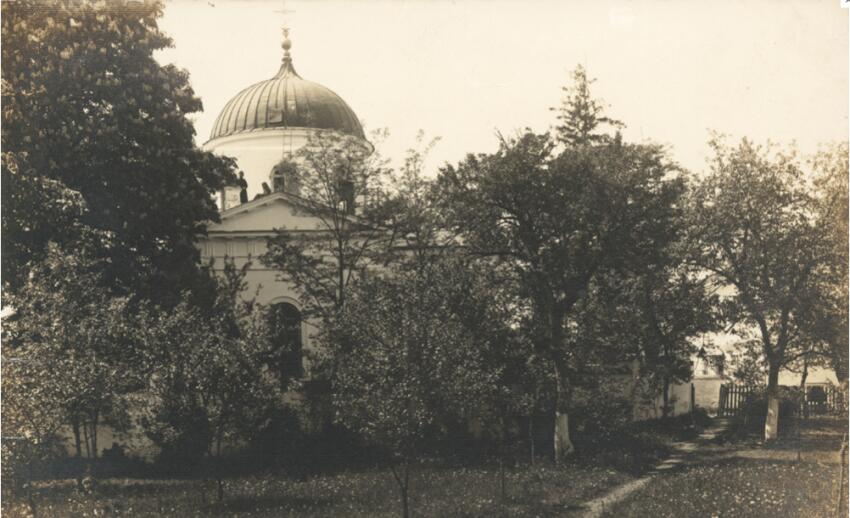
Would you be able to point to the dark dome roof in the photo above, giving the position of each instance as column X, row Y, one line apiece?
column 286, row 101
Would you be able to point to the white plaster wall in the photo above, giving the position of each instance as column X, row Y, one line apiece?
column 708, row 393
column 680, row 403
column 262, row 282
column 257, row 152
column 815, row 375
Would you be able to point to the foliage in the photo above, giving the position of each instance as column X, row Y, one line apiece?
column 411, row 212
column 207, row 386
column 321, row 265
column 750, row 367
column 559, row 220
column 580, row 114
column 831, row 169
column 758, row 234
column 33, row 416
column 411, row 353
column 66, row 344
column 90, row 119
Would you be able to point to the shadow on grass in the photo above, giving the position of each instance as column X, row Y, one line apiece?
column 123, row 488
column 244, row 504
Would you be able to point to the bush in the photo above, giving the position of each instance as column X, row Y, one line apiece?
column 596, row 414
column 751, row 417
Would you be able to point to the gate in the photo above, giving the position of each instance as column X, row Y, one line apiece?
column 733, row 398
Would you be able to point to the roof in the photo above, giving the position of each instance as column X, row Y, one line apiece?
column 286, row 101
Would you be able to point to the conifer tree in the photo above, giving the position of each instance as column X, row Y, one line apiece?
column 580, row 114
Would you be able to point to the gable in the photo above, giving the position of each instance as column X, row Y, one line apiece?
column 275, row 211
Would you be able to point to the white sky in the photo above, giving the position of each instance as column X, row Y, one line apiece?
column 671, row 70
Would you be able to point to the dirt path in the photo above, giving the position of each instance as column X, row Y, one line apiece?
column 597, row 506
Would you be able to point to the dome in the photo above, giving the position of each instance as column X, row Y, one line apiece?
column 286, row 101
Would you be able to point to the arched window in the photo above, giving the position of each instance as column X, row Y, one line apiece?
column 285, row 324
column 345, row 190
column 283, row 177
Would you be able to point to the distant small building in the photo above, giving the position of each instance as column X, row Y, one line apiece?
column 816, row 376
column 709, row 375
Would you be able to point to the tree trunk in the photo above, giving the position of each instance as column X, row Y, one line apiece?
column 771, row 422
column 502, row 460
column 502, row 475
column 219, row 470
column 94, row 423
column 531, row 435
column 403, row 483
column 803, row 392
column 563, row 445
column 665, row 398
column 405, row 511
column 34, row 509
column 78, row 444
column 633, row 390
column 86, row 440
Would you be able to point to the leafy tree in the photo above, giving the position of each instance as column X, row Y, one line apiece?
column 675, row 310
column 831, row 169
column 753, row 217
column 411, row 352
column 339, row 184
column 208, row 383
column 748, row 362
column 88, row 113
column 652, row 311
column 33, row 418
column 70, row 334
column 558, row 220
column 412, row 213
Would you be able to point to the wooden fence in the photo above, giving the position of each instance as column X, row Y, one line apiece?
column 733, row 398
column 817, row 399
column 823, row 400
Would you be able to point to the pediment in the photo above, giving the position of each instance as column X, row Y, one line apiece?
column 274, row 211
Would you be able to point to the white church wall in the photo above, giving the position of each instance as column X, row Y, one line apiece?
column 257, row 152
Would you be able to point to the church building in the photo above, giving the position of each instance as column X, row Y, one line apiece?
column 263, row 127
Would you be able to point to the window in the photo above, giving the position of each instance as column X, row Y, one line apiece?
column 283, row 176
column 285, row 324
column 345, row 190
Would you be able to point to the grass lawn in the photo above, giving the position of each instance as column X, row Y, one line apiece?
column 738, row 487
column 796, row 476
column 532, row 491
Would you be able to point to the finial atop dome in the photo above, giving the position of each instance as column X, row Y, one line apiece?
column 287, row 44
column 286, row 68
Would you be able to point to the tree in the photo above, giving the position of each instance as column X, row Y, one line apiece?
column 33, row 418
column 411, row 352
column 652, row 310
column 675, row 310
column 339, row 184
column 753, row 218
column 580, row 115
column 831, row 169
column 89, row 113
column 558, row 220
column 208, row 382
column 411, row 212
column 68, row 333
